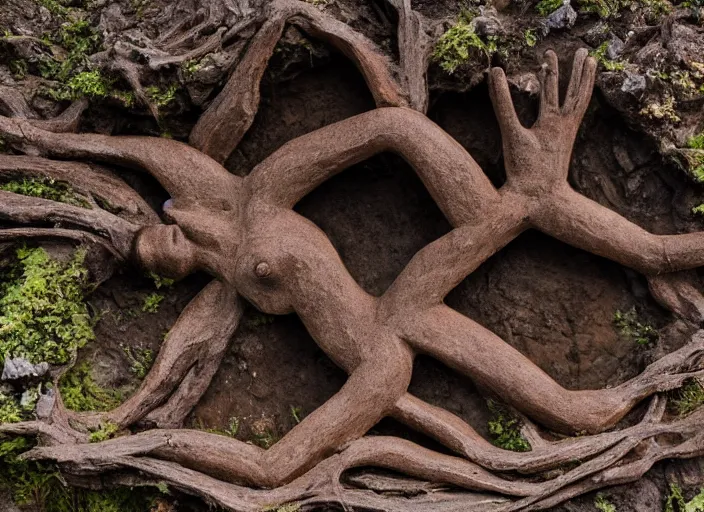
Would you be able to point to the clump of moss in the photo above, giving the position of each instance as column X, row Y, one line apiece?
column 151, row 302
column 78, row 40
column 547, row 7
column 698, row 210
column 56, row 7
column 505, row 429
column 531, row 37
column 10, row 409
column 103, row 433
column 692, row 161
column 600, row 54
column 662, row 111
column 91, row 84
column 191, row 67
column 629, row 326
column 653, row 9
column 41, row 487
column 19, row 68
column 603, row 505
column 696, row 142
column 162, row 97
column 43, row 314
column 81, row 393
column 456, row 45
column 141, row 360
column 45, row 188
column 160, row 281
column 688, row 398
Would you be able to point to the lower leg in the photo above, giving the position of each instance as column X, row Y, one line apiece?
column 476, row 352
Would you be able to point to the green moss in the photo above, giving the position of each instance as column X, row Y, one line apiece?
column 191, row 67
column 160, row 281
column 600, row 55
column 696, row 504
column 653, row 9
column 151, row 302
column 675, row 500
column 456, row 46
column 296, row 414
column 547, row 7
column 141, row 360
column 81, row 393
column 231, row 430
column 505, row 429
column 19, row 68
column 688, row 398
column 531, row 37
column 103, row 433
column 91, row 84
column 127, row 98
column 45, row 188
column 662, row 111
column 162, row 97
column 698, row 210
column 43, row 314
column 629, row 326
column 696, row 142
column 265, row 439
column 54, row 7
column 71, row 70
column 10, row 409
column 39, row 486
column 603, row 505
column 139, row 6
column 692, row 161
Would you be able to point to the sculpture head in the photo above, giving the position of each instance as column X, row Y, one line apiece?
column 197, row 238
column 165, row 250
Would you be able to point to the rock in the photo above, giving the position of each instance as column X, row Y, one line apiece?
column 563, row 17
column 527, row 82
column 596, row 35
column 19, row 368
column 614, row 48
column 45, row 404
column 487, row 24
column 633, row 83
column 29, row 398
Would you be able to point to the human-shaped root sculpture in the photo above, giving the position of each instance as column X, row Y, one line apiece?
column 244, row 232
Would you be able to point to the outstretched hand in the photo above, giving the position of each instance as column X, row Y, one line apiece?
column 544, row 150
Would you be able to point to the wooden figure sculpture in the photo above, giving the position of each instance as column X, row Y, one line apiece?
column 244, row 232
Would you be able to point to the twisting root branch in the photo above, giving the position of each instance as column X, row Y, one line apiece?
column 227, row 119
column 88, row 239
column 90, row 180
column 32, row 210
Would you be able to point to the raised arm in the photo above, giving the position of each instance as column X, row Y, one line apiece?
column 186, row 173
column 453, row 178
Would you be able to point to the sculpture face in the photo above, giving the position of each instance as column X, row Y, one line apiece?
column 165, row 250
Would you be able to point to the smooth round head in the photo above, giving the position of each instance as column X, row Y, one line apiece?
column 165, row 250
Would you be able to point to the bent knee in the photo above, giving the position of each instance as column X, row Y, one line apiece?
column 589, row 411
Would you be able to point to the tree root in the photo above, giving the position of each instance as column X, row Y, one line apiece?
column 32, row 210
column 615, row 463
column 227, row 119
column 91, row 181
